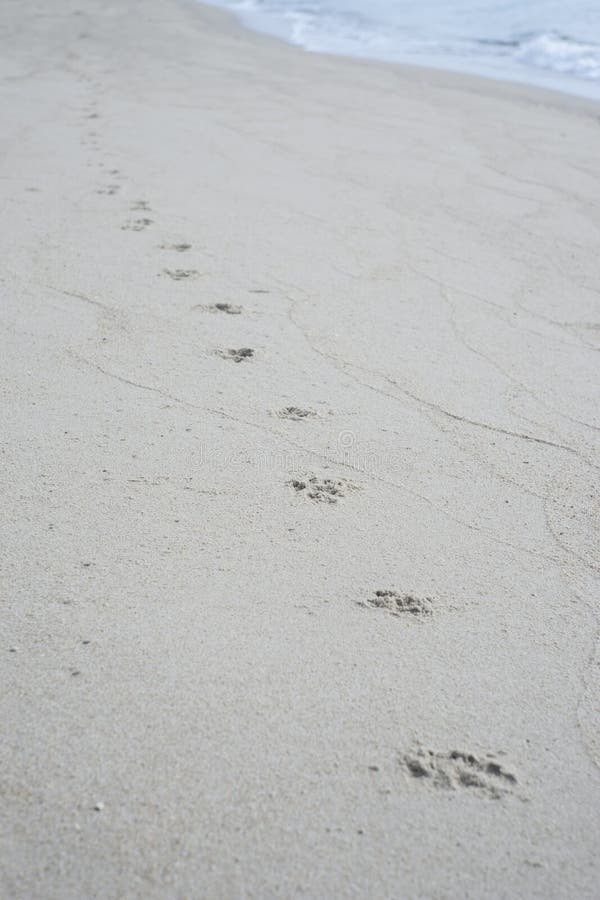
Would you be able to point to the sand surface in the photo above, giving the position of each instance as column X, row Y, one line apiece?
column 203, row 694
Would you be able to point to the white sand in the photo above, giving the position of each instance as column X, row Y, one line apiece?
column 192, row 656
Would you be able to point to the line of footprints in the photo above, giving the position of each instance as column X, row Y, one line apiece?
column 454, row 770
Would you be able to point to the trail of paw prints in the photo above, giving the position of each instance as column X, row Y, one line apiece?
column 322, row 490
column 398, row 604
column 457, row 770
column 112, row 187
column 90, row 140
column 90, row 136
column 138, row 223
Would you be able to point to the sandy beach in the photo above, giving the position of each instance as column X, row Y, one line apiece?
column 300, row 423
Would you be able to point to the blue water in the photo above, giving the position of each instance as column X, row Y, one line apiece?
column 545, row 42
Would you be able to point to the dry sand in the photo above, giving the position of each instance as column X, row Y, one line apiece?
column 203, row 694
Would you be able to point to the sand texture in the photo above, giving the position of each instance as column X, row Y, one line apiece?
column 299, row 484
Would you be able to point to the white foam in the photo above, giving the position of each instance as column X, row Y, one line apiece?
column 561, row 54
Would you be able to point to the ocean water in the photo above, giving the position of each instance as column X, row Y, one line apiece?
column 552, row 43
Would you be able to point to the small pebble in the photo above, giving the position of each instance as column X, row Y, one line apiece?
column 99, row 806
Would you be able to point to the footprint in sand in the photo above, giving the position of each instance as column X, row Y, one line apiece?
column 236, row 355
column 322, row 490
column 181, row 274
column 228, row 309
column 457, row 770
column 294, row 413
column 179, row 248
column 399, row 604
column 136, row 225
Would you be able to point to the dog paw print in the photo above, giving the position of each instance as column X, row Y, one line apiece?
column 459, row 770
column 181, row 274
column 399, row 604
column 322, row 490
column 228, row 308
column 136, row 225
column 295, row 413
column 179, row 248
column 236, row 355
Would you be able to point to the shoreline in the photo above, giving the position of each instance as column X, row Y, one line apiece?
column 428, row 67
column 299, row 368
